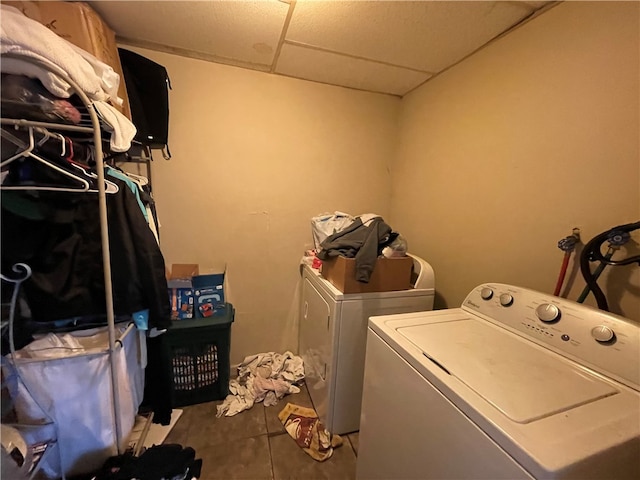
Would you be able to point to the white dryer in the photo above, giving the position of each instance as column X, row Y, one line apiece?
column 333, row 335
column 515, row 384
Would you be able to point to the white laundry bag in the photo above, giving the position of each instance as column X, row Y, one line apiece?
column 323, row 226
column 76, row 393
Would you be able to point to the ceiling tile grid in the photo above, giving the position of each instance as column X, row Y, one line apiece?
column 427, row 36
column 246, row 31
column 346, row 71
column 379, row 46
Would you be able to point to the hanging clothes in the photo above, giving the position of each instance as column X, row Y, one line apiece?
column 58, row 236
column 134, row 187
column 143, row 195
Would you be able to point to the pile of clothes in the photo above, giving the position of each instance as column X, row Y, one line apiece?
column 160, row 462
column 365, row 239
column 265, row 377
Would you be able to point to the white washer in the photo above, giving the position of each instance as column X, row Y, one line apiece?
column 333, row 336
column 515, row 384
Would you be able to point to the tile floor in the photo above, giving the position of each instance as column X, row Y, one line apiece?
column 254, row 445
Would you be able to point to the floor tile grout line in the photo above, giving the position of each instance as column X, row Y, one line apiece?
column 273, row 471
column 274, row 448
column 266, row 426
column 351, row 445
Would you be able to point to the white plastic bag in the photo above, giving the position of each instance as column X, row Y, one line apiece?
column 397, row 248
column 76, row 391
column 327, row 224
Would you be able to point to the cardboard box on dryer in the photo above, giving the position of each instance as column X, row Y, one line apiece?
column 389, row 274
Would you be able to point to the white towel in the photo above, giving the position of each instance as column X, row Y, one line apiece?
column 122, row 130
column 21, row 35
column 26, row 37
column 109, row 79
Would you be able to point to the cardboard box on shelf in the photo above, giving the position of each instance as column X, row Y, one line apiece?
column 205, row 291
column 209, row 293
column 181, row 297
column 389, row 274
column 79, row 24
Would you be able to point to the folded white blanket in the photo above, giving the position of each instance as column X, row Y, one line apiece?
column 109, row 79
column 23, row 36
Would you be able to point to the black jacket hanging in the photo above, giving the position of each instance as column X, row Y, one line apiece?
column 58, row 236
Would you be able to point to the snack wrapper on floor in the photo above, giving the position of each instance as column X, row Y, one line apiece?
column 304, row 426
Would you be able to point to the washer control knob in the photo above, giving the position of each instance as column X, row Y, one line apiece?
column 602, row 333
column 506, row 300
column 548, row 312
column 486, row 293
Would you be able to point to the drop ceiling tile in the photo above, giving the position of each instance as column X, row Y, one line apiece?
column 248, row 31
column 432, row 34
column 335, row 69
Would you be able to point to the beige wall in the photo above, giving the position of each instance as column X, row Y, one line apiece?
column 483, row 169
column 255, row 156
column 503, row 154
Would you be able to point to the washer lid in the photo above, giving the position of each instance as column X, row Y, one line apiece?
column 519, row 378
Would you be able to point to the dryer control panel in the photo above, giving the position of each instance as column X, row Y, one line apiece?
column 607, row 343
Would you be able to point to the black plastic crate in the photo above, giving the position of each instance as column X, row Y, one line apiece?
column 199, row 350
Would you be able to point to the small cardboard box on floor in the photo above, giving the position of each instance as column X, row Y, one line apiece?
column 389, row 274
column 195, row 295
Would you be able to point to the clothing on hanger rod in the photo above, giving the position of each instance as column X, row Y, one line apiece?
column 28, row 152
column 63, row 234
column 26, row 175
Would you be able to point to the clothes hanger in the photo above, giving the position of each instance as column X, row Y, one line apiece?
column 83, row 169
column 81, row 176
column 110, row 187
column 138, row 178
column 28, row 152
column 63, row 141
column 18, row 143
column 29, row 148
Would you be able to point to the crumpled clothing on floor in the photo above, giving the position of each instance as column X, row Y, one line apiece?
column 304, row 426
column 160, row 462
column 264, row 377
